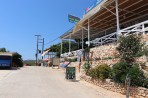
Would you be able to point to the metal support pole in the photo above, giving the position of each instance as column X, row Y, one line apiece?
column 88, row 33
column 52, row 58
column 82, row 40
column 61, row 47
column 118, row 33
column 143, row 29
column 43, row 49
column 70, row 44
column 37, row 51
column 78, row 44
column 48, row 59
column 88, row 38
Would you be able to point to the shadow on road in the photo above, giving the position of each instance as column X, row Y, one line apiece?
column 13, row 68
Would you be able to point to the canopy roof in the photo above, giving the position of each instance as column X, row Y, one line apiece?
column 102, row 18
column 46, row 51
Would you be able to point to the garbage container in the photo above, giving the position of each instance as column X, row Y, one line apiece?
column 70, row 73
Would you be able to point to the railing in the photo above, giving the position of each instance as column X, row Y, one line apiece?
column 135, row 29
column 70, row 54
column 140, row 28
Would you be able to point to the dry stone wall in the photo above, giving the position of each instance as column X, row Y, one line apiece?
column 102, row 52
column 135, row 92
column 109, row 50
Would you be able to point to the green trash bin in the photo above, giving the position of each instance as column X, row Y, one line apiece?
column 70, row 73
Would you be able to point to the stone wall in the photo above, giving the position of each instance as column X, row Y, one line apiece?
column 108, row 62
column 109, row 50
column 135, row 92
column 102, row 52
column 145, row 38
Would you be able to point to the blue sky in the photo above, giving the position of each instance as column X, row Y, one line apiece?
column 20, row 20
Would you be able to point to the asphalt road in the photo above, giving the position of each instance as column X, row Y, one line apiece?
column 43, row 82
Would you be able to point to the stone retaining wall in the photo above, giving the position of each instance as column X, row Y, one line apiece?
column 102, row 52
column 135, row 92
column 109, row 50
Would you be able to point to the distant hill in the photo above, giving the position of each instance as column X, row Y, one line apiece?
column 30, row 62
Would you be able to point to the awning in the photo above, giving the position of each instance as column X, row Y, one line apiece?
column 44, row 53
column 102, row 18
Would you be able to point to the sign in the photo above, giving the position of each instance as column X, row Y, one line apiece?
column 70, row 73
column 73, row 19
column 92, row 6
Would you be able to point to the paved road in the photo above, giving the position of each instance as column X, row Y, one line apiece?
column 42, row 82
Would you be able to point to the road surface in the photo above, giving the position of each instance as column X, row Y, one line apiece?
column 44, row 82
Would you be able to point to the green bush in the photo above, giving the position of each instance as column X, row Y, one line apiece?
column 119, row 72
column 86, row 67
column 130, row 47
column 17, row 60
column 94, row 72
column 145, row 83
column 104, row 71
column 100, row 72
column 137, row 76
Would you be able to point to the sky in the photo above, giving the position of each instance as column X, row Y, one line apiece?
column 21, row 20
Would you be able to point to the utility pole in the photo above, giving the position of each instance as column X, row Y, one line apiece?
column 41, row 42
column 43, row 49
column 37, row 48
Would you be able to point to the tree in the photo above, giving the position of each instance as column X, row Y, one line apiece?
column 130, row 47
column 2, row 49
column 17, row 60
column 57, row 48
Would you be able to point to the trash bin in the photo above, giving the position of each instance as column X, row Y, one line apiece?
column 70, row 73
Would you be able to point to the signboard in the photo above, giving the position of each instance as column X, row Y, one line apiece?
column 56, row 61
column 92, row 6
column 70, row 73
column 73, row 19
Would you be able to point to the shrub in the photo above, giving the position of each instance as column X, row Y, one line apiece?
column 119, row 72
column 137, row 76
column 130, row 47
column 17, row 60
column 104, row 71
column 100, row 72
column 86, row 67
column 145, row 84
column 94, row 72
